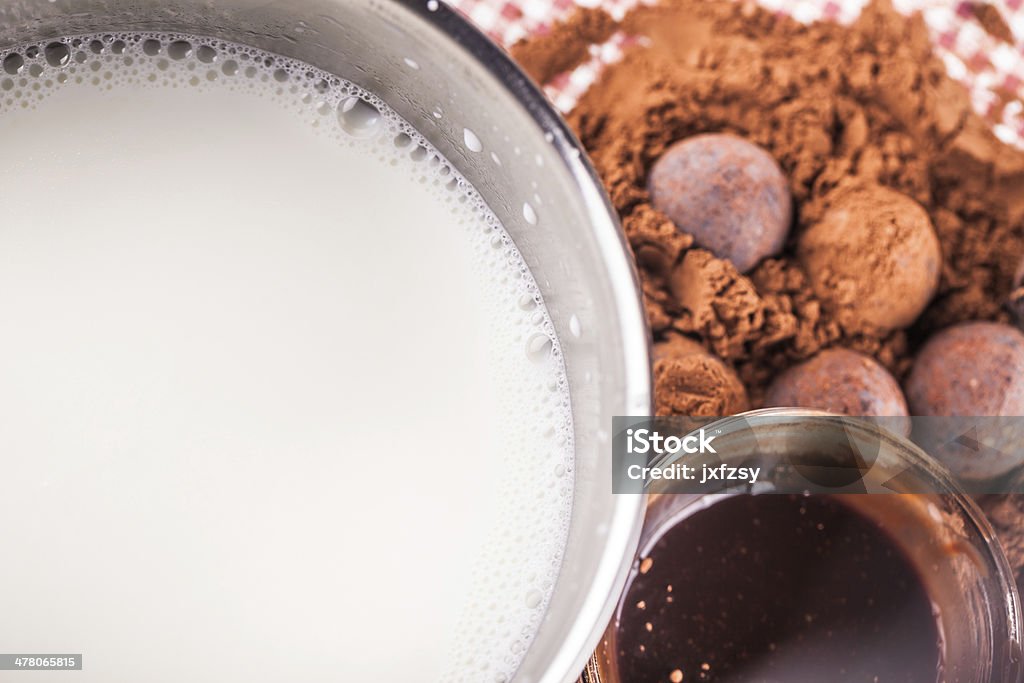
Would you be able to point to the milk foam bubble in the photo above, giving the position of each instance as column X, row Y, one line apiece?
column 281, row 398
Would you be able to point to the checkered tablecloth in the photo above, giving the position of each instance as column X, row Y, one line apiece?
column 993, row 70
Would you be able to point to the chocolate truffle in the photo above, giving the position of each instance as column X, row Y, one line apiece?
column 966, row 371
column 728, row 194
column 843, row 382
column 690, row 381
column 969, row 369
column 873, row 258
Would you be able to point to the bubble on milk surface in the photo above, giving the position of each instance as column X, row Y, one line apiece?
column 346, row 114
column 359, row 117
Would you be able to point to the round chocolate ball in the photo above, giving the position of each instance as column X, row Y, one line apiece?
column 973, row 371
column 727, row 193
column 873, row 258
column 688, row 380
column 967, row 370
column 843, row 382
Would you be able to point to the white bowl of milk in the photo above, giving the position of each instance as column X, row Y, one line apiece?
column 314, row 324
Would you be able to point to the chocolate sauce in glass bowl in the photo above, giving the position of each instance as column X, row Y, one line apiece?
column 777, row 589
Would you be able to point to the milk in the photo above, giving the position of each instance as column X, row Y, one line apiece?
column 280, row 399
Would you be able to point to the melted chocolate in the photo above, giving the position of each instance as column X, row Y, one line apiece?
column 777, row 589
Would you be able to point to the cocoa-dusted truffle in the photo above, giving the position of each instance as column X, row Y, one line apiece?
column 728, row 194
column 873, row 258
column 690, row 381
column 973, row 370
column 969, row 369
column 843, row 382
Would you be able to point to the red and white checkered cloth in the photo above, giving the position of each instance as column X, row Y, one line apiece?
column 991, row 69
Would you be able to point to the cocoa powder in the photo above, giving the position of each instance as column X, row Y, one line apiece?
column 867, row 103
column 566, row 44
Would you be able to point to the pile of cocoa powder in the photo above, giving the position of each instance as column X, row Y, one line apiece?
column 831, row 103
